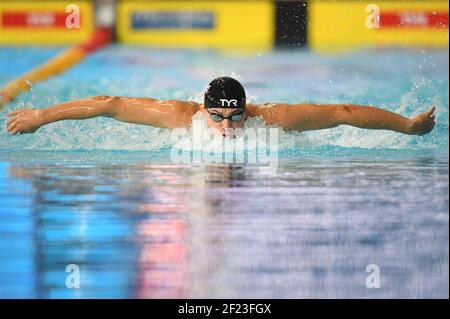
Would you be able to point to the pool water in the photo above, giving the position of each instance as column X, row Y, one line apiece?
column 106, row 197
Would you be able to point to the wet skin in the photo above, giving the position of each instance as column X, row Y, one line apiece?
column 175, row 113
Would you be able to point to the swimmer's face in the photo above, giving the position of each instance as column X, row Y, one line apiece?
column 221, row 119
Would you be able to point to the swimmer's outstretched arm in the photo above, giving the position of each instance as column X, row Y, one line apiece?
column 146, row 111
column 303, row 117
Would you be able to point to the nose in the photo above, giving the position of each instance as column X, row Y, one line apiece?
column 226, row 123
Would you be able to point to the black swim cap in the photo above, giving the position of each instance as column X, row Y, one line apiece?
column 225, row 92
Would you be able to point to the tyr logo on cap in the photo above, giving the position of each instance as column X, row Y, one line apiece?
column 225, row 92
column 228, row 103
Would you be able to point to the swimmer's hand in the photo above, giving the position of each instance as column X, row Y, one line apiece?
column 24, row 121
column 422, row 123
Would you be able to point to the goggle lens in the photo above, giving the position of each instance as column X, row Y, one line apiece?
column 219, row 118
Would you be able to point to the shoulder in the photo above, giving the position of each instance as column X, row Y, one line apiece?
column 269, row 111
column 182, row 110
column 283, row 114
column 182, row 107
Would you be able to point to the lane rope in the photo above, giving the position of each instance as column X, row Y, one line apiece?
column 56, row 65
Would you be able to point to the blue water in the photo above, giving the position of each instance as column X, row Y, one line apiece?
column 105, row 196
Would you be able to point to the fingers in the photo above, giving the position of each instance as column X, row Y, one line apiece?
column 12, row 124
column 432, row 119
column 430, row 123
column 430, row 112
column 16, row 112
column 12, row 127
column 11, row 120
column 15, row 130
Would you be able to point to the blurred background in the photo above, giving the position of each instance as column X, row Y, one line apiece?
column 258, row 24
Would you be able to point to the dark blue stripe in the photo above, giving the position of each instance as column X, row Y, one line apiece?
column 173, row 20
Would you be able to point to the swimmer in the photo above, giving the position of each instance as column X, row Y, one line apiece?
column 225, row 107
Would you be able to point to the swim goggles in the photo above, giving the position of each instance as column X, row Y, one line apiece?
column 219, row 118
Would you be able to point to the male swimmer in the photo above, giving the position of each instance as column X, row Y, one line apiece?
column 225, row 107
